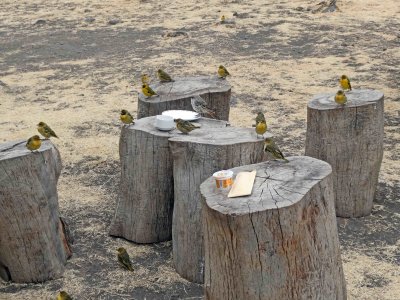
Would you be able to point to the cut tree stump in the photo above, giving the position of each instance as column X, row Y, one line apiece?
column 196, row 157
column 144, row 208
column 33, row 246
column 177, row 95
column 350, row 138
column 279, row 243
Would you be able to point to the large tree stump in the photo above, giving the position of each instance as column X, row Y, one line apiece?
column 350, row 138
column 33, row 247
column 281, row 242
column 196, row 157
column 144, row 208
column 177, row 95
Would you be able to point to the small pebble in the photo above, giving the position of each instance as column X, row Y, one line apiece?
column 114, row 21
column 40, row 22
column 90, row 19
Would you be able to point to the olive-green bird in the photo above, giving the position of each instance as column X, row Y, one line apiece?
column 123, row 259
column 260, row 117
column 145, row 79
column 222, row 72
column 271, row 147
column 148, row 91
column 340, row 98
column 126, row 117
column 345, row 83
column 33, row 143
column 163, row 76
column 45, row 130
column 184, row 126
column 62, row 295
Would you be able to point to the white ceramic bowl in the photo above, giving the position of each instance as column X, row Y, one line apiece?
column 164, row 122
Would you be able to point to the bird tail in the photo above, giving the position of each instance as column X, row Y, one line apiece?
column 286, row 161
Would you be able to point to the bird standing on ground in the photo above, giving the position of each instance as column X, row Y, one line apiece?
column 271, row 147
column 123, row 259
column 340, row 98
column 45, row 130
column 345, row 83
column 147, row 91
column 62, row 295
column 184, row 126
column 200, row 106
column 222, row 72
column 126, row 117
column 163, row 76
column 222, row 19
column 33, row 143
column 261, row 128
column 145, row 79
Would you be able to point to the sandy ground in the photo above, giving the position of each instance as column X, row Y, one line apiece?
column 75, row 71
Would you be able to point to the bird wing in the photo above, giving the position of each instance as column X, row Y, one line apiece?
column 50, row 131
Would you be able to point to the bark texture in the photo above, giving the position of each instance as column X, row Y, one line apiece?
column 350, row 138
column 144, row 209
column 177, row 95
column 33, row 247
column 196, row 157
column 281, row 242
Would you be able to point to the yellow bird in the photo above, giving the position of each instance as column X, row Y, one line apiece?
column 33, row 143
column 222, row 72
column 145, row 79
column 261, row 128
column 271, row 147
column 123, row 259
column 63, row 296
column 126, row 117
column 345, row 83
column 222, row 19
column 340, row 98
column 163, row 76
column 184, row 126
column 45, row 130
column 147, row 91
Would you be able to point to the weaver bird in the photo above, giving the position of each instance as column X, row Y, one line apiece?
column 222, row 19
column 271, row 147
column 123, row 259
column 126, row 117
column 260, row 117
column 200, row 106
column 63, row 296
column 45, row 130
column 147, row 91
column 222, row 72
column 184, row 126
column 345, row 83
column 33, row 143
column 340, row 98
column 163, row 76
column 261, row 128
column 145, row 79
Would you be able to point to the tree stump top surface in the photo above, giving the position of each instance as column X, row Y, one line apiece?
column 355, row 98
column 277, row 185
column 13, row 149
column 185, row 87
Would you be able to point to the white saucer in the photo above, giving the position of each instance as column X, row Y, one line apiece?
column 186, row 115
column 165, row 129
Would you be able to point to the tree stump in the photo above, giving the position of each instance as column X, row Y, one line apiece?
column 33, row 247
column 177, row 95
column 350, row 138
column 196, row 157
column 281, row 242
column 144, row 208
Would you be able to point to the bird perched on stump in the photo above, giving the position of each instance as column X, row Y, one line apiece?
column 271, row 147
column 345, row 83
column 200, row 106
column 63, row 296
column 145, row 79
column 340, row 98
column 163, row 76
column 261, row 128
column 123, row 259
column 222, row 72
column 147, row 91
column 126, row 117
column 45, row 130
column 33, row 143
column 184, row 126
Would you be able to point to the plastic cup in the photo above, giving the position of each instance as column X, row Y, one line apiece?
column 223, row 179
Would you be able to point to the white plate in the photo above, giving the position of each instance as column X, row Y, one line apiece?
column 165, row 129
column 185, row 115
